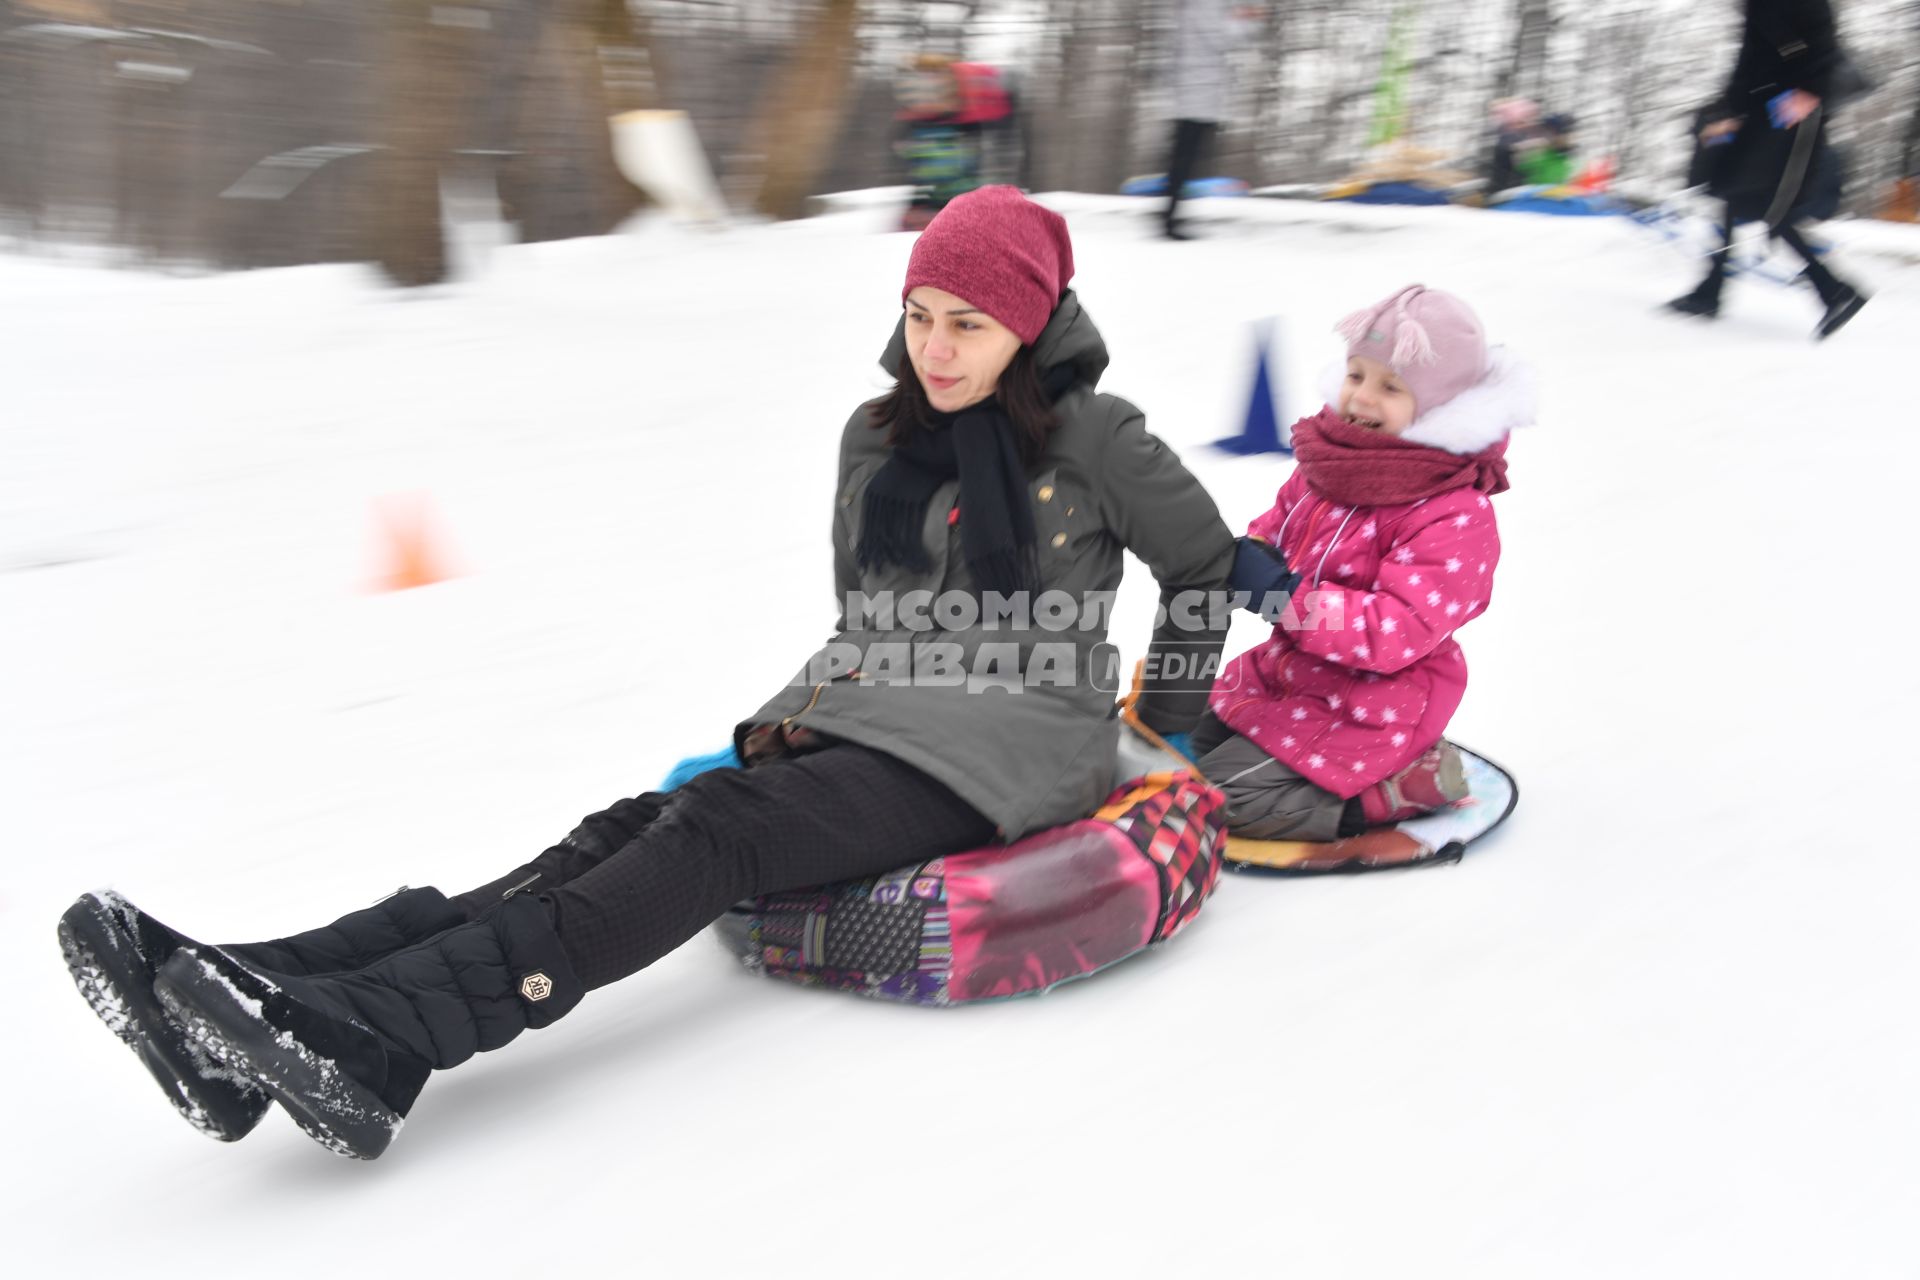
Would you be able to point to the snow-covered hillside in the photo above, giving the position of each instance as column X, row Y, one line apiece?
column 1660, row 1025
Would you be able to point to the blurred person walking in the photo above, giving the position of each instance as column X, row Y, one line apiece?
column 1762, row 148
column 1205, row 32
column 947, row 111
column 993, row 468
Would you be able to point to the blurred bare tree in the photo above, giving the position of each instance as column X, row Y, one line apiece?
column 514, row 92
column 1524, row 74
column 246, row 133
column 798, row 119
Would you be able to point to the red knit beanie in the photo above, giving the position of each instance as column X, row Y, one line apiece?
column 999, row 251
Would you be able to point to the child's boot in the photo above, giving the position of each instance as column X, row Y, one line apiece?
column 1434, row 781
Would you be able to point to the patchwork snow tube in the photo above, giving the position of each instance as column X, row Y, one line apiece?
column 1002, row 920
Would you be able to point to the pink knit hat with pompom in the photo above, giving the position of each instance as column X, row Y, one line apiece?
column 1431, row 339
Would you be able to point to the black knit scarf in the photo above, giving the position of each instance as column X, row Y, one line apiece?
column 979, row 445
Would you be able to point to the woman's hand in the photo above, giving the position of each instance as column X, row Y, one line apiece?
column 1720, row 129
column 1790, row 108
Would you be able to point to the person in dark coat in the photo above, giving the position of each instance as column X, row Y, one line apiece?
column 1516, row 126
column 981, row 516
column 1762, row 149
column 1205, row 34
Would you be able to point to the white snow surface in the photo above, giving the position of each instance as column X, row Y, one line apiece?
column 1660, row 1025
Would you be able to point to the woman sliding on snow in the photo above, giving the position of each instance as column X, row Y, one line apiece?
column 1380, row 545
column 952, row 709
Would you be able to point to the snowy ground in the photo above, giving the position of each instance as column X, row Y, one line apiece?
column 1662, row 1025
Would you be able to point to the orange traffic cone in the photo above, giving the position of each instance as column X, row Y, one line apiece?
column 407, row 545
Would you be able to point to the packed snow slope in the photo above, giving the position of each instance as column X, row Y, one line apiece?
column 1660, row 1025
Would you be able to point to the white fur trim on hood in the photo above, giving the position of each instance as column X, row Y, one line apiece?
column 1476, row 418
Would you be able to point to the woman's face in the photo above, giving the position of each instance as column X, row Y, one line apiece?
column 1372, row 395
column 958, row 351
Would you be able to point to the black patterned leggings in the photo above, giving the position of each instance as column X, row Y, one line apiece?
column 634, row 881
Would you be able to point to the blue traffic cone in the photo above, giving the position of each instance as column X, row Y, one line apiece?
column 1261, row 433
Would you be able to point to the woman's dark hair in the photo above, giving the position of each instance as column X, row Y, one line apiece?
column 1020, row 393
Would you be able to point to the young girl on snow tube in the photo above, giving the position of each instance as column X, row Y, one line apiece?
column 1379, row 547
column 993, row 471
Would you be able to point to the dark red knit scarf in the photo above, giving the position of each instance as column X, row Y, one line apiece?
column 1363, row 467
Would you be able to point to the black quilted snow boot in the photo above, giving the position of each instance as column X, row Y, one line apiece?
column 347, row 1053
column 114, row 951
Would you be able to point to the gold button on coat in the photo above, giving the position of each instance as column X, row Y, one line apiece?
column 1059, row 539
column 1046, row 493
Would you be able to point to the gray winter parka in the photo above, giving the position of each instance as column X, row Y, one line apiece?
column 1013, row 713
column 1205, row 34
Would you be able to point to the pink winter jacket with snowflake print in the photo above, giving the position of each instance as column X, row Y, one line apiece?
column 1363, row 672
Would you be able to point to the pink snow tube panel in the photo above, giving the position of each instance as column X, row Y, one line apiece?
column 1002, row 920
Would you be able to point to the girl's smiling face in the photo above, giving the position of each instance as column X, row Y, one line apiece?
column 958, row 351
column 1372, row 395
